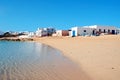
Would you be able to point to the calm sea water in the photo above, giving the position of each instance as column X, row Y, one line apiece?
column 34, row 61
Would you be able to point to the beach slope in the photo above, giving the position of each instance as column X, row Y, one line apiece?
column 98, row 57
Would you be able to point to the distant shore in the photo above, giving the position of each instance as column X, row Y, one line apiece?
column 98, row 57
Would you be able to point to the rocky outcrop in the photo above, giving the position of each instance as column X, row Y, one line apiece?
column 16, row 39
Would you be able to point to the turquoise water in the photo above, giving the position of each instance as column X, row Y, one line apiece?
column 34, row 61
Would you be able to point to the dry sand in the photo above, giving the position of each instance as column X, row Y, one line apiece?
column 98, row 57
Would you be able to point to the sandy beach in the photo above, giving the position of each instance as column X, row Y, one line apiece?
column 98, row 57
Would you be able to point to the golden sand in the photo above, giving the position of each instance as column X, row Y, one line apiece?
column 98, row 57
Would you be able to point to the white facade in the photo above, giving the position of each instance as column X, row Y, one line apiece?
column 31, row 34
column 27, row 34
column 92, row 30
column 76, row 30
column 59, row 33
column 41, row 32
column 45, row 32
column 24, row 36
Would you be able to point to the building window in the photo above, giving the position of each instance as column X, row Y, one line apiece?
column 108, row 31
column 84, row 30
column 99, row 30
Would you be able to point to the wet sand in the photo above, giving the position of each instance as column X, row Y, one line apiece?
column 97, row 57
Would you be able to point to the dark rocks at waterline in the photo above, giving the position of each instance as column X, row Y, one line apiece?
column 16, row 39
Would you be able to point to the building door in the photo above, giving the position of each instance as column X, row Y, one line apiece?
column 113, row 31
column 104, row 31
column 93, row 33
column 108, row 31
column 73, row 33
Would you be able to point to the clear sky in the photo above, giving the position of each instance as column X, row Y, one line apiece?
column 22, row 15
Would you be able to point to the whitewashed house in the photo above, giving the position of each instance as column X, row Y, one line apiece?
column 26, row 34
column 92, row 30
column 41, row 32
column 31, row 34
column 45, row 32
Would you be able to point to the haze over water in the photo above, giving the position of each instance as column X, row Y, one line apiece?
column 35, row 61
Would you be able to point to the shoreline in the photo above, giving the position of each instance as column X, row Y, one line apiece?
column 96, row 55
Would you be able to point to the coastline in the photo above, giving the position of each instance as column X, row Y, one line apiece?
column 98, row 56
column 15, row 39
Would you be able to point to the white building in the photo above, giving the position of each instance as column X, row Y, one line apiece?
column 45, row 32
column 41, row 32
column 31, row 34
column 92, row 30
column 26, row 34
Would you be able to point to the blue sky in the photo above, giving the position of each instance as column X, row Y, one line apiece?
column 22, row 15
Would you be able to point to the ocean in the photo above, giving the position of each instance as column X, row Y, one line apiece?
column 34, row 61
